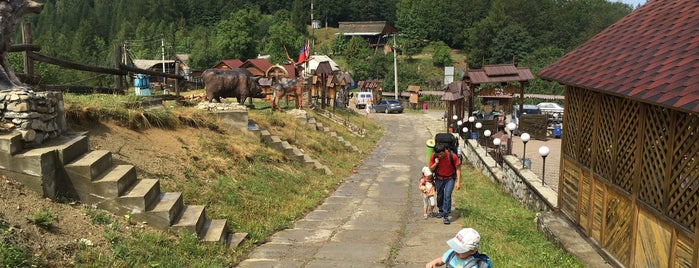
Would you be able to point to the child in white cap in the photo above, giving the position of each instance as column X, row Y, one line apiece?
column 463, row 252
column 428, row 193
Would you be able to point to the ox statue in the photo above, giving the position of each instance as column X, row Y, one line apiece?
column 288, row 86
column 238, row 83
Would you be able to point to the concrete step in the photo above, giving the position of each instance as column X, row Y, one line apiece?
column 114, row 181
column 165, row 211
column 191, row 219
column 91, row 164
column 234, row 239
column 11, row 143
column 214, row 231
column 140, row 196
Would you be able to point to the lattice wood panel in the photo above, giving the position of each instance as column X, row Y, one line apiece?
column 606, row 136
column 573, row 112
column 586, row 127
column 570, row 179
column 655, row 143
column 598, row 205
column 652, row 243
column 684, row 175
column 627, row 144
column 584, row 206
column 618, row 221
column 683, row 253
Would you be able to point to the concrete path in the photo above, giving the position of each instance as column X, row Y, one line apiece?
column 374, row 219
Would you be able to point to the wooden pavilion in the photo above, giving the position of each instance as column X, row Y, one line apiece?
column 629, row 177
column 497, row 74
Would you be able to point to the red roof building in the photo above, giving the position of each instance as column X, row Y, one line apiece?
column 629, row 171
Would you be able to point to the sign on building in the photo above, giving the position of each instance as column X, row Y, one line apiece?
column 448, row 74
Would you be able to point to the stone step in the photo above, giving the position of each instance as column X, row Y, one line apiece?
column 234, row 239
column 140, row 196
column 70, row 146
column 11, row 143
column 166, row 209
column 92, row 164
column 115, row 181
column 191, row 219
column 214, row 231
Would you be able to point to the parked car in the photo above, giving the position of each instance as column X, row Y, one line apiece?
column 553, row 110
column 363, row 99
column 388, row 106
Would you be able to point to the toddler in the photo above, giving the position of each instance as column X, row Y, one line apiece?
column 428, row 193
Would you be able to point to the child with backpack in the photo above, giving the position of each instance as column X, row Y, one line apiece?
column 463, row 252
column 428, row 191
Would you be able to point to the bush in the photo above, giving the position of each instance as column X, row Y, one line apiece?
column 43, row 218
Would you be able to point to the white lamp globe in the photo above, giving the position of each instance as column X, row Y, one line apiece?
column 459, row 122
column 486, row 133
column 465, row 129
column 454, row 117
column 471, row 119
column 479, row 125
column 511, row 126
column 544, row 151
column 496, row 141
column 525, row 137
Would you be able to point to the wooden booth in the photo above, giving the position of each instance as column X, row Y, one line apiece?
column 629, row 177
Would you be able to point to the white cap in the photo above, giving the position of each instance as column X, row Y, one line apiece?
column 465, row 240
column 426, row 172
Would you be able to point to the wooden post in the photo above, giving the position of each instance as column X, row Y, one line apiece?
column 117, row 78
column 27, row 39
column 177, row 81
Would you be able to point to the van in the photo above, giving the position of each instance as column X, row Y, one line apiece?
column 362, row 99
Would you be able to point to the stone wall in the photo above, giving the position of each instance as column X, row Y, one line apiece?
column 38, row 116
column 521, row 183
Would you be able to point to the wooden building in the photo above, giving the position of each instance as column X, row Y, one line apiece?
column 376, row 33
column 629, row 176
column 228, row 64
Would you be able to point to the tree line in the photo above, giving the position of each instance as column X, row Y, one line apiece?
column 531, row 33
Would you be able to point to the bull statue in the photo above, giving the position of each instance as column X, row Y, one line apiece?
column 11, row 12
column 238, row 83
column 287, row 86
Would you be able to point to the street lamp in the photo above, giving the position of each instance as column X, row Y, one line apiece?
column 464, row 131
column 525, row 139
column 470, row 120
column 544, row 152
column 486, row 133
column 453, row 121
column 496, row 143
column 510, row 126
column 478, row 128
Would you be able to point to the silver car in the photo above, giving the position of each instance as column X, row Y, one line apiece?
column 388, row 106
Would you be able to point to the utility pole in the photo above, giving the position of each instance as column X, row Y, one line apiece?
column 162, row 51
column 395, row 66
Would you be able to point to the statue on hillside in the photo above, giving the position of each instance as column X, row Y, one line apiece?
column 11, row 12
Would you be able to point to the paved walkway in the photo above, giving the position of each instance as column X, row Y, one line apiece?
column 374, row 219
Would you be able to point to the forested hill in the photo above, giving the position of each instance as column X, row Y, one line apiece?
column 529, row 32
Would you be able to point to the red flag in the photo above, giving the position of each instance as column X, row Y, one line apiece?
column 303, row 55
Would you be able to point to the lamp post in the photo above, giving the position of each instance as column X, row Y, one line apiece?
column 525, row 139
column 496, row 143
column 453, row 121
column 486, row 133
column 478, row 128
column 544, row 152
column 510, row 126
column 464, row 130
column 470, row 120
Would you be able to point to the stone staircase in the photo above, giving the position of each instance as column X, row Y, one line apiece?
column 66, row 166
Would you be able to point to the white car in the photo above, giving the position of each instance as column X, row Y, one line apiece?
column 554, row 110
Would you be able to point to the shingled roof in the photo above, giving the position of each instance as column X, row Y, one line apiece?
column 651, row 55
column 500, row 73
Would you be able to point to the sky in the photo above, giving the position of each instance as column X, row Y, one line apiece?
column 633, row 3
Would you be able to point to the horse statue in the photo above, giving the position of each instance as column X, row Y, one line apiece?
column 286, row 86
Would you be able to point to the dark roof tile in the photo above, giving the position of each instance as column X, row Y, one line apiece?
column 651, row 55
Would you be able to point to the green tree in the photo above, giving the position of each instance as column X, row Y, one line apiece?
column 300, row 16
column 482, row 35
column 237, row 37
column 511, row 45
column 442, row 54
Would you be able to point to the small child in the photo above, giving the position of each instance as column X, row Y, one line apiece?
column 428, row 193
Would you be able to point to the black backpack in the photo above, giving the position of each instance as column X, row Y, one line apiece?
column 481, row 259
column 450, row 142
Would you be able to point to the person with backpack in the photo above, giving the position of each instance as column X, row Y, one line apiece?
column 463, row 252
column 446, row 169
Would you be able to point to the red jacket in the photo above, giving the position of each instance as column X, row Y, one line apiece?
column 445, row 169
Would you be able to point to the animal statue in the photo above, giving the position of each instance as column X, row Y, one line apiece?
column 238, row 83
column 284, row 87
column 11, row 12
